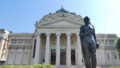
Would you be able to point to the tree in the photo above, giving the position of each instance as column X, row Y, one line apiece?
column 118, row 44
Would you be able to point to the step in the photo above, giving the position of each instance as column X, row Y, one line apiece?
column 74, row 66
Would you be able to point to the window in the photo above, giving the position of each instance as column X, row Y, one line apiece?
column 20, row 41
column 98, row 41
column 27, row 41
column 105, row 41
column 102, row 41
column 14, row 40
column 111, row 42
column 114, row 55
column 108, row 56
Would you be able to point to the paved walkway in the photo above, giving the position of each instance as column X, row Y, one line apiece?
column 77, row 67
column 96, row 67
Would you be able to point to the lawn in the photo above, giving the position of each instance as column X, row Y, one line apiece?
column 113, row 67
column 31, row 66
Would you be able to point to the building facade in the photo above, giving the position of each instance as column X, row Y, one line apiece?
column 56, row 41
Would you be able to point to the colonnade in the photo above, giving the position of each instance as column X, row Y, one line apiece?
column 68, row 50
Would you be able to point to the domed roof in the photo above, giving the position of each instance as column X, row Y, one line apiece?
column 62, row 10
column 60, row 14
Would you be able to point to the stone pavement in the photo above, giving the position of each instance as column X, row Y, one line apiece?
column 96, row 67
column 76, row 67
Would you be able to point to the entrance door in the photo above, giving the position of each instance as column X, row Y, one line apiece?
column 53, row 56
column 73, row 57
column 62, row 56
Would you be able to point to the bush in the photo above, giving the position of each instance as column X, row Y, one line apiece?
column 118, row 44
column 31, row 66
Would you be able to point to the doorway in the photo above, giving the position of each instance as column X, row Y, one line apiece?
column 73, row 61
column 53, row 56
column 63, row 56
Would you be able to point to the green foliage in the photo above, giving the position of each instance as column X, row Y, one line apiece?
column 31, row 66
column 118, row 44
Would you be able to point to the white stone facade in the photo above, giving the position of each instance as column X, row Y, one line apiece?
column 56, row 41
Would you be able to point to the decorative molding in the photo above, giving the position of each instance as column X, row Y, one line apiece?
column 107, row 48
column 20, row 47
column 77, row 24
column 68, row 34
column 48, row 34
column 58, row 33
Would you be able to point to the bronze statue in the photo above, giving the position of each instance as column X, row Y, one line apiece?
column 88, row 43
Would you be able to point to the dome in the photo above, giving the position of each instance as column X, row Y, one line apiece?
column 59, row 15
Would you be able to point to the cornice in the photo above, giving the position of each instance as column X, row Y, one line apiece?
column 107, row 48
column 62, row 19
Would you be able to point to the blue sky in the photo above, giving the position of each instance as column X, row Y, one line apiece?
column 20, row 15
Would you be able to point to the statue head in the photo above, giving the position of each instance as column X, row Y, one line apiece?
column 86, row 20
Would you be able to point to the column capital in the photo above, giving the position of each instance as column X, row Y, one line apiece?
column 48, row 34
column 58, row 34
column 37, row 33
column 77, row 33
column 68, row 34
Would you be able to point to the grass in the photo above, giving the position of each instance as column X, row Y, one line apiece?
column 113, row 67
column 30, row 66
column 37, row 66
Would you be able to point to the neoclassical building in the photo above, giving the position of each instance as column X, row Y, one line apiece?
column 56, row 41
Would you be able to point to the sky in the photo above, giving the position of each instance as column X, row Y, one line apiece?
column 19, row 16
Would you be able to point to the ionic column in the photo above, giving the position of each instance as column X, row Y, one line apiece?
column 58, row 49
column 37, row 51
column 68, row 54
column 79, row 54
column 47, row 50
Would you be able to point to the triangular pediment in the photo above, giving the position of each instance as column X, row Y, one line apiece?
column 61, row 23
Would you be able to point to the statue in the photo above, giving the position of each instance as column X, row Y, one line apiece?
column 88, row 43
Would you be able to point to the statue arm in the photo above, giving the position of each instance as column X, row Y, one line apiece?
column 97, row 45
column 94, row 34
column 83, row 33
